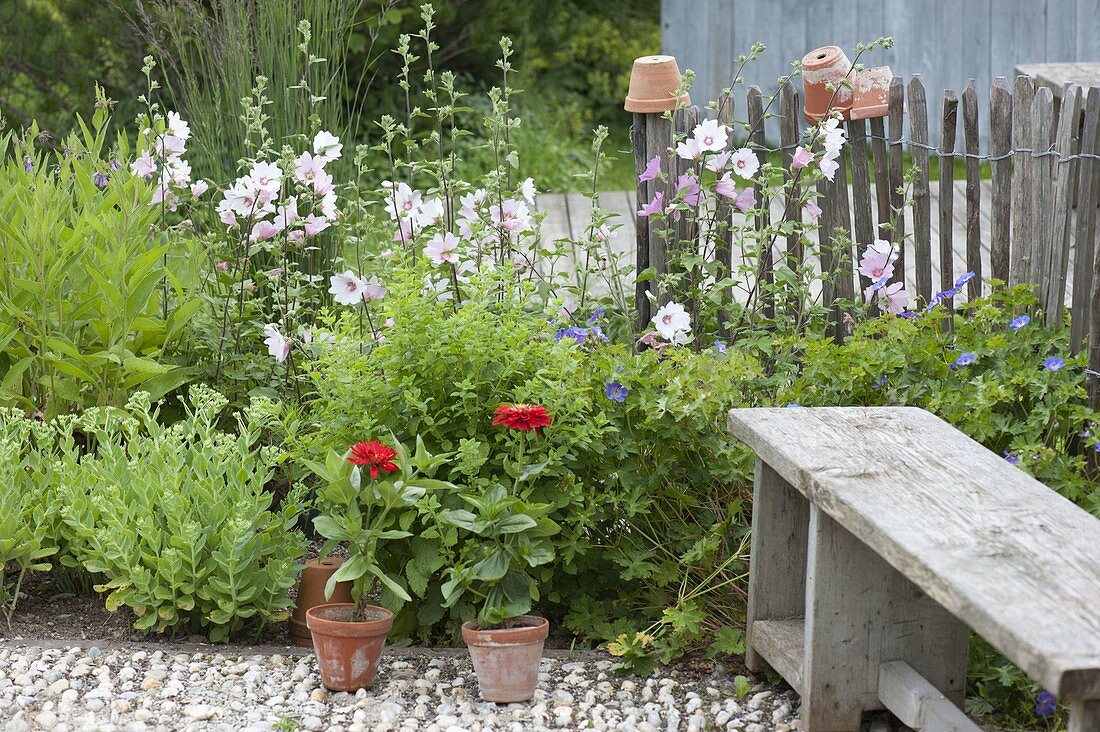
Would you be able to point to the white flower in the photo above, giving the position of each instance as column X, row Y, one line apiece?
column 528, row 191
column 307, row 166
column 828, row 166
column 441, row 288
column 880, row 246
column 277, row 346
column 512, row 215
column 199, row 187
column 745, row 163
column 266, row 177
column 144, row 166
column 689, row 149
column 263, row 230
column 431, row 211
column 328, row 206
column 672, row 320
column 327, row 145
column 314, row 224
column 441, row 249
column 288, row 214
column 322, row 183
column 711, row 136
column 177, row 127
column 718, row 162
column 402, row 201
column 346, row 288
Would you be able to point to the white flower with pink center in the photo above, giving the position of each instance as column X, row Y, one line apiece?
column 710, row 136
column 744, row 163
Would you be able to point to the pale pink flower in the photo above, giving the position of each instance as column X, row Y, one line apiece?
column 307, row 166
column 441, row 248
column 745, row 200
column 745, row 163
column 266, row 176
column 829, row 166
column 801, row 158
column 718, row 162
column 654, row 206
column 812, row 210
column 322, row 183
column 402, row 201
column 144, row 166
column 652, row 169
column 170, row 146
column 199, row 187
column 373, row 289
column 314, row 224
column 225, row 212
column 430, row 213
column 222, row 266
column 346, row 288
column 287, row 214
column 710, row 136
column 277, row 346
column 689, row 149
column 893, row 298
column 875, row 266
column 725, row 186
column 512, row 215
column 687, row 185
column 604, row 233
column 263, row 230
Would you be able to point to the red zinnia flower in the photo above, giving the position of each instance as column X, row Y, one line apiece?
column 375, row 454
column 524, row 417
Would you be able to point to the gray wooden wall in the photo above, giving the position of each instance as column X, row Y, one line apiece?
column 946, row 42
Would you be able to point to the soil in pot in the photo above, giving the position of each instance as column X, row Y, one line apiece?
column 506, row 660
column 348, row 650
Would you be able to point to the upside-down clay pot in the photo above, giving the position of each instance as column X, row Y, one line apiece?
column 506, row 660
column 348, row 650
column 821, row 68
column 653, row 84
column 311, row 593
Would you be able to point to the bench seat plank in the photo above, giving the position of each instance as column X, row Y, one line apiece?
column 1014, row 560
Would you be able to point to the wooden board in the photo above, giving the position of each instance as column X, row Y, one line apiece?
column 1012, row 559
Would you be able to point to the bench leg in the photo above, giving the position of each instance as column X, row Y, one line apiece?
column 1084, row 715
column 860, row 612
column 777, row 571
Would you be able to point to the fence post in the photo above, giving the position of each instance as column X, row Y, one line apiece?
column 1000, row 138
column 922, row 204
column 861, row 193
column 973, row 191
column 1023, row 247
column 1089, row 170
column 1042, row 138
column 1065, row 189
column 949, row 125
column 788, row 138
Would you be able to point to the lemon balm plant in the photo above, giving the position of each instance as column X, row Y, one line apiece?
column 372, row 495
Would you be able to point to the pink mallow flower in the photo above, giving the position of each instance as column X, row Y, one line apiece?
column 812, row 210
column 687, row 185
column 652, row 169
column 801, row 158
column 893, row 298
column 745, row 200
column 277, row 346
column 441, row 248
column 874, row 266
column 654, row 206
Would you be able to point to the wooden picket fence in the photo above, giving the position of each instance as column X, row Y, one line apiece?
column 1044, row 160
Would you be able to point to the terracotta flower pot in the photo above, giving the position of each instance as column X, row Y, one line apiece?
column 311, row 593
column 507, row 660
column 653, row 84
column 348, row 650
column 820, row 68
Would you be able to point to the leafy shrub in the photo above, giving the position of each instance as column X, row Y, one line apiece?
column 175, row 521
column 84, row 290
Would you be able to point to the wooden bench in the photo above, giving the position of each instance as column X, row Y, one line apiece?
column 878, row 536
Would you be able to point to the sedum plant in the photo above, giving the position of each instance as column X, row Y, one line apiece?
column 370, row 511
column 176, row 521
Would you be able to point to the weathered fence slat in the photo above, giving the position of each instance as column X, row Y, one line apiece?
column 658, row 139
column 763, row 214
column 1000, row 140
column 949, row 124
column 1086, row 251
column 641, row 259
column 973, row 191
column 1023, row 247
column 922, row 204
column 1042, row 129
column 788, row 137
column 861, row 190
column 723, row 241
column 1065, row 190
column 896, row 158
column 882, row 175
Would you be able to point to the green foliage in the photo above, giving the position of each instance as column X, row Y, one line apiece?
column 83, row 280
column 174, row 521
column 369, row 512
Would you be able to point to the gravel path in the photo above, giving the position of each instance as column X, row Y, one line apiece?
column 149, row 688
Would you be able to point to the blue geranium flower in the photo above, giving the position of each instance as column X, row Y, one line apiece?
column 721, row 348
column 615, row 391
column 1019, row 322
column 879, row 382
column 576, row 333
column 1011, row 457
column 963, row 279
column 596, row 315
column 1045, row 704
column 1054, row 363
column 964, row 360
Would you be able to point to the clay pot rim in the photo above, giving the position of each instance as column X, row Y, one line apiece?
column 823, row 57
column 650, row 106
column 534, row 630
column 318, row 623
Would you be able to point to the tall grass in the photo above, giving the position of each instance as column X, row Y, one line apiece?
column 214, row 50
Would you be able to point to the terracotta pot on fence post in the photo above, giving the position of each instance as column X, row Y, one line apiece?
column 653, row 84
column 864, row 96
column 311, row 593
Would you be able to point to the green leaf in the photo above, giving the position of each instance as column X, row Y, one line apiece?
column 389, row 583
column 515, row 524
column 493, row 567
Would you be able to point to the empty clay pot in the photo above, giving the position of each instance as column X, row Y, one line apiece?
column 311, row 593
column 348, row 650
column 653, row 84
column 506, row 660
column 820, row 68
